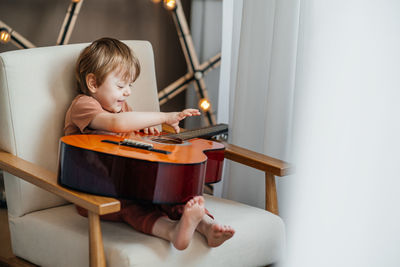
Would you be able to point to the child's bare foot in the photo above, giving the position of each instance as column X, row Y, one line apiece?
column 193, row 212
column 218, row 234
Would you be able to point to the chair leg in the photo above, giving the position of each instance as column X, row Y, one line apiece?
column 96, row 249
column 271, row 200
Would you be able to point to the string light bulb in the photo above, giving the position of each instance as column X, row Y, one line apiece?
column 204, row 104
column 4, row 36
column 76, row 1
column 170, row 4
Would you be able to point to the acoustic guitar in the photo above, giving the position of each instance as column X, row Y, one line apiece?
column 164, row 169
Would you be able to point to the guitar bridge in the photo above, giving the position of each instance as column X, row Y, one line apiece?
column 134, row 143
column 137, row 144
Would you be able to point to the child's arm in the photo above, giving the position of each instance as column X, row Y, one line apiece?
column 133, row 121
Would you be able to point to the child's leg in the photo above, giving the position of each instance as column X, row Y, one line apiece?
column 180, row 233
column 141, row 217
column 215, row 233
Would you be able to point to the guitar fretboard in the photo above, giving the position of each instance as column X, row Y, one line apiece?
column 201, row 132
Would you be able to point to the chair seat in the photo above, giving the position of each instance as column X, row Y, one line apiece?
column 42, row 236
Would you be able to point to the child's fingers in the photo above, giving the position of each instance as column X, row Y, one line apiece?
column 185, row 114
column 191, row 112
column 176, row 128
column 154, row 131
column 151, row 129
column 195, row 112
column 180, row 116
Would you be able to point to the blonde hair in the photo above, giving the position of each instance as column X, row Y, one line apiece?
column 102, row 57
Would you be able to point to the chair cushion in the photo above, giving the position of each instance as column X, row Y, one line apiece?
column 41, row 237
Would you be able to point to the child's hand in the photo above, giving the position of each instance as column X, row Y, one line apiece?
column 151, row 130
column 173, row 118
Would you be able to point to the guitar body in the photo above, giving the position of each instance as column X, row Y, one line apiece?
column 88, row 164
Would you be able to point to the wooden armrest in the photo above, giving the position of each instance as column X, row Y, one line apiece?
column 47, row 180
column 256, row 160
column 269, row 165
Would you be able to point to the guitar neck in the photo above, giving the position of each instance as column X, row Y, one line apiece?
column 201, row 132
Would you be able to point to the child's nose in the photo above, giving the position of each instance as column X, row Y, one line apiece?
column 127, row 90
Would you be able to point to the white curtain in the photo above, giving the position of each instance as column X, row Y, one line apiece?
column 256, row 88
column 321, row 79
column 343, row 201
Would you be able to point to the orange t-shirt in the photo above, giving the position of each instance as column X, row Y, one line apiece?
column 81, row 113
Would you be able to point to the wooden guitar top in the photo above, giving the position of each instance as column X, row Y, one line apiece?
column 189, row 152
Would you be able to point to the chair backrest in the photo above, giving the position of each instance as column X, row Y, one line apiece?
column 36, row 87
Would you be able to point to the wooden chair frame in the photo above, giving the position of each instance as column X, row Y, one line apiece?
column 98, row 205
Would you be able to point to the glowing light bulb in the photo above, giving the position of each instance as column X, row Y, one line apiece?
column 204, row 104
column 4, row 35
column 76, row 1
column 170, row 4
column 198, row 75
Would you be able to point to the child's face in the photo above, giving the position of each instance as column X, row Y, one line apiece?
column 113, row 92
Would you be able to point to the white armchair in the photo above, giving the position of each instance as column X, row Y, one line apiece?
column 36, row 87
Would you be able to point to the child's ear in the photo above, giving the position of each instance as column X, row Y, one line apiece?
column 91, row 83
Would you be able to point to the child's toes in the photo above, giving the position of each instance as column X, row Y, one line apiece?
column 200, row 200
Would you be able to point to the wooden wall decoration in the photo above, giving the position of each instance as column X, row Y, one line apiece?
column 196, row 71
